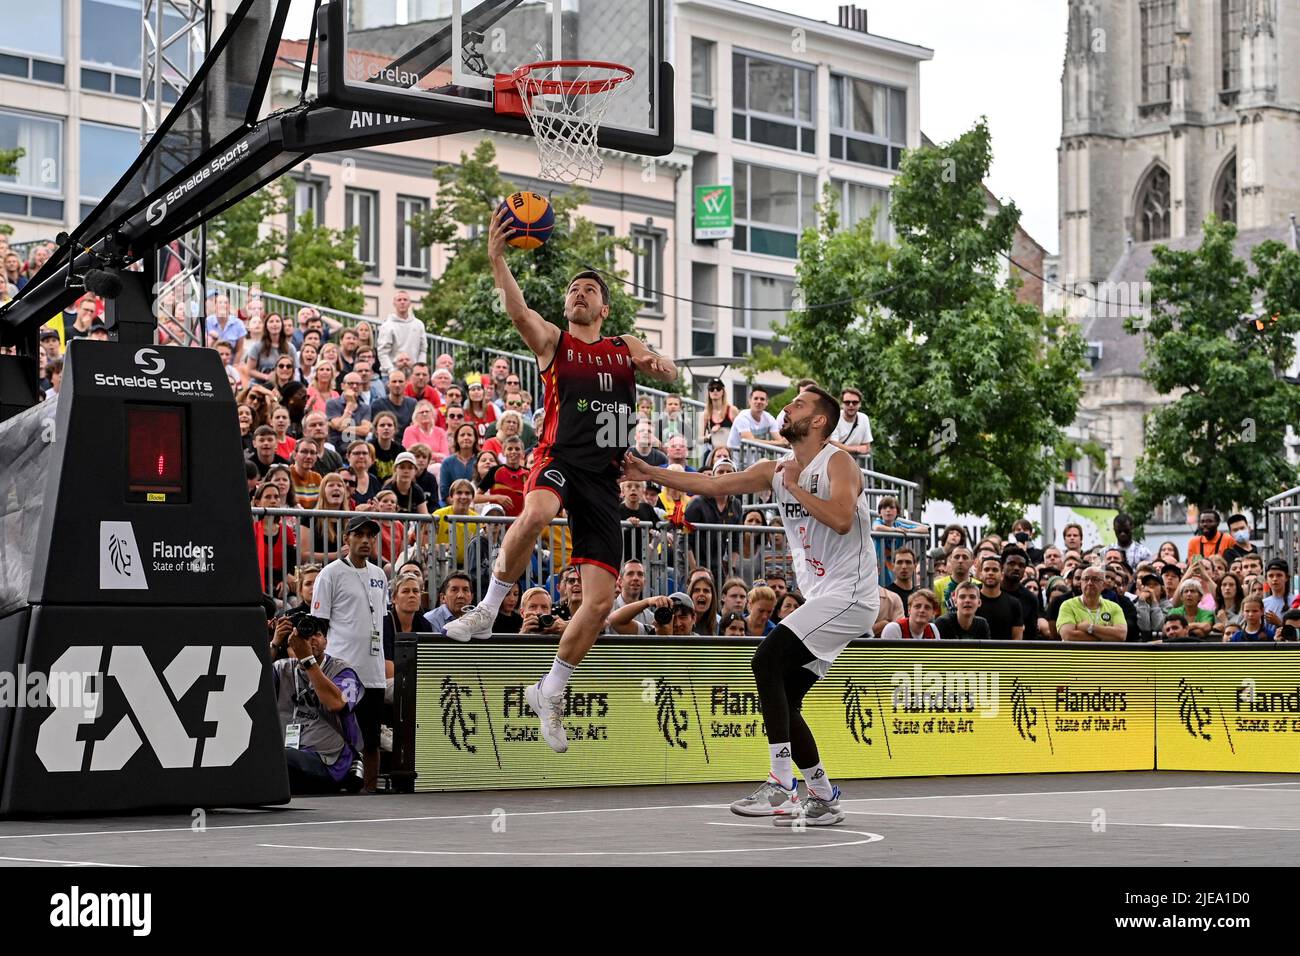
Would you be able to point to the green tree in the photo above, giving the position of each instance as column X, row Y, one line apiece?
column 1221, row 335
column 244, row 238
column 9, row 167
column 463, row 301
column 968, row 390
column 321, row 267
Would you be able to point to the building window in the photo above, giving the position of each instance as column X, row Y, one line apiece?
column 1153, row 206
column 704, row 311
column 760, row 300
column 36, row 188
column 1225, row 193
column 106, row 153
column 1230, row 21
column 606, row 232
column 868, row 122
column 859, row 202
column 110, row 46
column 412, row 258
column 308, row 197
column 772, row 103
column 772, row 207
column 647, row 267
column 361, row 212
column 702, row 52
column 1157, row 22
column 31, row 40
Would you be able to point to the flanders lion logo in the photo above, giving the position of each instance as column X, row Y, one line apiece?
column 582, row 404
column 672, row 721
column 454, row 723
column 859, row 719
column 119, row 554
column 1023, row 714
column 1191, row 712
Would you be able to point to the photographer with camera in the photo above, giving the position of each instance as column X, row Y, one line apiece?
column 351, row 593
column 316, row 695
column 674, row 615
column 535, row 606
column 304, row 579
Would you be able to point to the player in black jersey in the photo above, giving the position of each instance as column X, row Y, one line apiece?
column 590, row 406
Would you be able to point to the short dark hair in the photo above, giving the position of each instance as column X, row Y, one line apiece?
column 1211, row 511
column 54, row 367
column 826, row 405
column 1233, row 519
column 1176, row 617
column 902, row 551
column 442, row 588
column 1015, row 551
column 595, row 277
column 1123, row 517
column 852, row 391
column 760, row 388
column 990, row 556
column 261, row 430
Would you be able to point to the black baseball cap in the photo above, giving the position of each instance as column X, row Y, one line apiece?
column 1150, row 576
column 49, row 333
column 361, row 523
column 717, row 383
column 1277, row 564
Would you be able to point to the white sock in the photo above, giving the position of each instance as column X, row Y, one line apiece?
column 496, row 593
column 782, row 768
column 818, row 784
column 557, row 678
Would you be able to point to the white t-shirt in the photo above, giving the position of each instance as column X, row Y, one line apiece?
column 763, row 427
column 856, row 432
column 354, row 600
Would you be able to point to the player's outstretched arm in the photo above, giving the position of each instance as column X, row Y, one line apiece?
column 756, row 477
column 538, row 334
column 650, row 362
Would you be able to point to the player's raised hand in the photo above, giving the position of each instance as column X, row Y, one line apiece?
column 790, row 470
column 651, row 364
column 498, row 233
column 634, row 469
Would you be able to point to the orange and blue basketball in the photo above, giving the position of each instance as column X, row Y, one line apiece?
column 532, row 218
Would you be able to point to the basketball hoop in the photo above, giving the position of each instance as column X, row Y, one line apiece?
column 564, row 102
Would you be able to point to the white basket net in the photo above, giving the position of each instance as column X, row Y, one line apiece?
column 565, row 106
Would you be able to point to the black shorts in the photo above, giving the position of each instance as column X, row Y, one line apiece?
column 368, row 711
column 591, row 500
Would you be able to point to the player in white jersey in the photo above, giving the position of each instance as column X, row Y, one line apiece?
column 828, row 524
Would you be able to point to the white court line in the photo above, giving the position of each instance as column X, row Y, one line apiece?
column 1053, row 793
column 870, row 838
column 1081, row 823
column 186, row 828
column 25, row 859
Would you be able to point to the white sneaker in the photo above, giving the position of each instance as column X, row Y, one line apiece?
column 551, row 712
column 476, row 623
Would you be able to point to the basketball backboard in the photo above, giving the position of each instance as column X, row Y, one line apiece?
column 437, row 59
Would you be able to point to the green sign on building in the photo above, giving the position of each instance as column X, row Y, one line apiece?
column 713, row 212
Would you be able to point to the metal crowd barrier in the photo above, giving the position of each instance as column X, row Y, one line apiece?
column 442, row 545
column 1282, row 530
column 877, row 484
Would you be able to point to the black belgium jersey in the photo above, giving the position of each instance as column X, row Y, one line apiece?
column 590, row 402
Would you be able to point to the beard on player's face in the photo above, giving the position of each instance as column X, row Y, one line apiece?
column 796, row 430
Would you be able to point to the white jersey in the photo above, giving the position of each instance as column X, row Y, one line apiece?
column 828, row 564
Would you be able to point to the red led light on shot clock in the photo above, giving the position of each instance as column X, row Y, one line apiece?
column 155, row 439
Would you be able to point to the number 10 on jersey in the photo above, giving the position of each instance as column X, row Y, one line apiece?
column 605, row 380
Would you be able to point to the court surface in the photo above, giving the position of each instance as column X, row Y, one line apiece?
column 1117, row 819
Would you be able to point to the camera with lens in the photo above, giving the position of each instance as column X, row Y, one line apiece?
column 545, row 621
column 308, row 626
column 663, row 615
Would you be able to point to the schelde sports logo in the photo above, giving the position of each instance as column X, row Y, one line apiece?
column 151, row 366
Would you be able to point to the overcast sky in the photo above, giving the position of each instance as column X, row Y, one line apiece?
column 999, row 58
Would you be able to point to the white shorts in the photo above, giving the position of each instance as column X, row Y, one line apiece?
column 826, row 625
